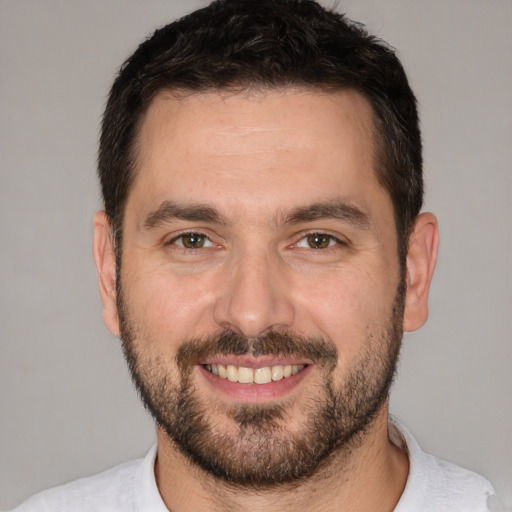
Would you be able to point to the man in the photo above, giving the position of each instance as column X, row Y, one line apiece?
column 260, row 254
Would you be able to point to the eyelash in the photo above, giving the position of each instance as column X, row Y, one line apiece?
column 189, row 233
column 333, row 242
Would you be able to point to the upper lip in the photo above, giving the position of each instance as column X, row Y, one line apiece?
column 248, row 361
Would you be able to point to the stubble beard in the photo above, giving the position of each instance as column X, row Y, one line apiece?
column 259, row 452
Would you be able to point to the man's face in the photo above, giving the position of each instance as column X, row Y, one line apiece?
column 257, row 242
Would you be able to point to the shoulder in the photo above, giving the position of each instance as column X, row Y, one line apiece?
column 456, row 488
column 436, row 485
column 108, row 491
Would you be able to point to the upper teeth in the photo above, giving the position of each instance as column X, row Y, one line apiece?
column 251, row 375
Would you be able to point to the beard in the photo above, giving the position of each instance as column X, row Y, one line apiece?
column 257, row 450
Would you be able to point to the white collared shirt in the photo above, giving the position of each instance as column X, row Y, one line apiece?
column 433, row 485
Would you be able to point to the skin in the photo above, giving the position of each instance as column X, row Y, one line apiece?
column 254, row 158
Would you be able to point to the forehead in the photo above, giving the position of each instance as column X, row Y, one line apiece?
column 303, row 113
column 222, row 144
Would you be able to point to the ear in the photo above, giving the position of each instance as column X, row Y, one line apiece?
column 105, row 259
column 421, row 262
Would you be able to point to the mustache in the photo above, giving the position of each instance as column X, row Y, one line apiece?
column 274, row 343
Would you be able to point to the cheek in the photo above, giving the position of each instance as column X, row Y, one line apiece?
column 348, row 309
column 167, row 304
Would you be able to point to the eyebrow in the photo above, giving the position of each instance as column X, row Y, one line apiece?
column 337, row 209
column 169, row 211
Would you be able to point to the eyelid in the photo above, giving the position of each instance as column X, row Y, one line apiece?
column 340, row 241
column 180, row 234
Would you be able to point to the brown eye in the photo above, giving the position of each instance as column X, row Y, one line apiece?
column 191, row 240
column 319, row 240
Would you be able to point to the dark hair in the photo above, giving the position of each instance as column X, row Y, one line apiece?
column 241, row 44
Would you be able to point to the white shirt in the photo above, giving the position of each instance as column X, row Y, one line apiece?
column 433, row 485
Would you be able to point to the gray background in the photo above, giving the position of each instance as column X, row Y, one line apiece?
column 67, row 408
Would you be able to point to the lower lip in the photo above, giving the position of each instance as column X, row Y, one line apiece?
column 254, row 393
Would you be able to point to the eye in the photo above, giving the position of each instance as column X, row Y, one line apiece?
column 192, row 241
column 318, row 241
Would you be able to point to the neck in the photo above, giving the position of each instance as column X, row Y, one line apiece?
column 369, row 475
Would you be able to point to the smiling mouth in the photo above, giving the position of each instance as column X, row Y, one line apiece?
column 244, row 375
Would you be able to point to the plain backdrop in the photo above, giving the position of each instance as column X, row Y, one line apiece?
column 67, row 407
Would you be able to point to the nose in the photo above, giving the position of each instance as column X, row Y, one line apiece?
column 255, row 297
